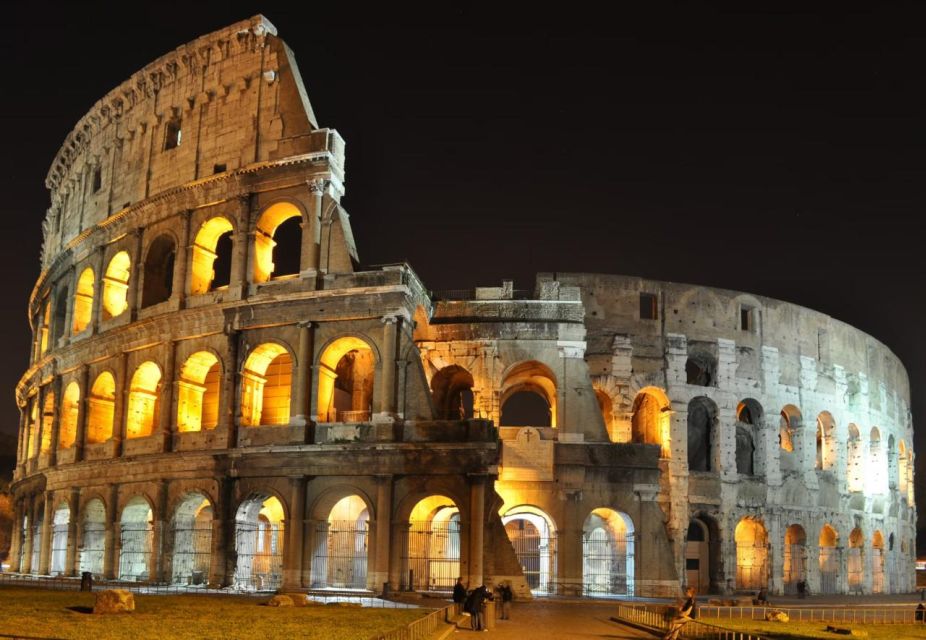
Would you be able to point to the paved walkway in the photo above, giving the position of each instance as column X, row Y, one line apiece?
column 550, row 620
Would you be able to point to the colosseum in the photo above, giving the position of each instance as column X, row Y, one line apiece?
column 220, row 396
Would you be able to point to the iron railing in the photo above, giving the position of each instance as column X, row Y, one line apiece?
column 423, row 627
column 661, row 618
column 850, row 615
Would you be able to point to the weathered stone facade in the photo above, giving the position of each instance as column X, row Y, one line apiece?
column 218, row 395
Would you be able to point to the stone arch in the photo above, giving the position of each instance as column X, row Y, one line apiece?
column 59, row 321
column 528, row 394
column 877, row 562
column 259, row 539
column 829, row 559
column 431, row 556
column 346, row 379
column 532, row 533
column 825, row 441
column 342, row 543
column 59, row 539
column 608, row 562
column 67, row 423
column 32, row 441
column 703, row 554
column 651, row 419
column 751, row 541
column 82, row 313
column 854, row 460
column 116, row 285
column 902, row 468
column 158, row 278
column 275, row 253
column 266, row 385
column 854, row 563
column 92, row 548
column 48, row 420
column 211, row 253
column 452, row 393
column 101, row 408
column 702, row 427
column 789, row 435
column 136, row 530
column 191, row 536
column 198, row 388
column 701, row 368
column 37, row 524
column 143, row 401
column 876, row 471
column 795, row 558
column 606, row 407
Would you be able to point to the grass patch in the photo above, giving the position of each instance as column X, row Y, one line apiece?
column 786, row 630
column 41, row 614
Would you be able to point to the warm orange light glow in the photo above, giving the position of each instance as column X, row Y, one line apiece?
column 33, row 428
column 266, row 385
column 116, row 285
column 101, row 409
column 652, row 419
column 202, row 272
column 751, row 554
column 263, row 238
column 530, row 376
column 43, row 330
column 198, row 393
column 345, row 380
column 70, row 404
column 143, row 401
column 48, row 419
column 83, row 300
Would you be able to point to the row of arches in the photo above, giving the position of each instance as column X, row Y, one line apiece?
column 276, row 254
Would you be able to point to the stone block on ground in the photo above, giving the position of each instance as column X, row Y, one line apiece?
column 777, row 616
column 114, row 601
column 280, row 600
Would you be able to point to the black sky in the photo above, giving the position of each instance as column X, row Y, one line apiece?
column 777, row 152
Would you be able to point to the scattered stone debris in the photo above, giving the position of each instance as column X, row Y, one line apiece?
column 114, row 601
column 280, row 600
column 777, row 616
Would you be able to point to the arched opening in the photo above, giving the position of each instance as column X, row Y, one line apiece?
column 826, row 441
column 33, row 427
column 855, row 472
column 59, row 540
column 528, row 396
column 854, row 561
column 877, row 562
column 116, row 285
column 70, row 406
column 61, row 314
column 699, row 561
column 875, row 473
column 606, row 406
column 211, row 256
column 788, row 433
column 198, row 392
column 345, row 381
column 142, row 410
column 829, row 559
column 24, row 536
column 342, row 542
column 42, row 326
column 278, row 242
column 701, row 369
column 432, row 546
column 751, row 554
column 533, row 537
column 607, row 554
column 452, row 393
column 136, row 539
column 83, row 301
column 158, row 283
column 795, row 558
column 93, row 538
column 902, row 468
column 39, row 520
column 48, row 421
column 266, row 385
column 702, row 421
column 192, row 541
column 101, row 404
column 259, row 544
column 651, row 419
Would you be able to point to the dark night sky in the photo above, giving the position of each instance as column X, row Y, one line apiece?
column 776, row 152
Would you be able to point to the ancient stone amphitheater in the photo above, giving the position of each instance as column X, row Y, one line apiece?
column 220, row 396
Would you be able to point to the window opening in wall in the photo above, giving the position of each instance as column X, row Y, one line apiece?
column 702, row 417
column 97, row 179
column 345, row 385
column 287, row 252
column 747, row 318
column 101, row 406
column 452, row 392
column 648, row 308
column 83, row 301
column 651, row 419
column 59, row 540
column 795, row 558
column 701, row 370
column 266, row 383
column 219, row 168
column 116, row 285
column 431, row 545
column 854, row 560
column 198, row 393
column 533, row 537
column 528, row 396
column 341, row 544
column 211, row 255
column 61, row 313
column 829, row 559
column 173, row 134
column 70, row 405
column 159, row 271
column 142, row 411
column 270, row 261
column 608, row 554
column 751, row 554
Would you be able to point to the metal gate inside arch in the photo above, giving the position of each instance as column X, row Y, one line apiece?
column 432, row 554
column 340, row 559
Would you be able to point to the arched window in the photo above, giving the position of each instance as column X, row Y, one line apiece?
column 528, row 396
column 826, row 441
column 101, row 405
column 42, row 329
column 341, row 544
column 854, row 460
column 212, row 248
column 259, row 543
column 61, row 314
column 608, row 554
column 70, row 405
column 789, row 429
column 345, row 381
column 266, row 386
column 606, row 406
column 192, row 535
column 877, row 562
column 432, row 548
column 533, row 537
column 701, row 369
column 452, row 392
column 749, row 418
column 854, row 561
column 702, row 421
column 751, row 554
column 651, row 418
column 48, row 419
column 116, row 285
column 93, row 537
column 159, row 271
column 136, row 533
column 143, row 407
column 32, row 440
column 902, row 468
column 83, row 301
column 829, row 559
column 875, row 474
column 795, row 558
column 198, row 392
column 278, row 242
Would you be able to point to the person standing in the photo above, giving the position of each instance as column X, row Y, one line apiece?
column 459, row 591
column 506, row 596
column 683, row 617
column 473, row 607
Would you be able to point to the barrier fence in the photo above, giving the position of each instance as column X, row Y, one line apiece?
column 859, row 615
column 660, row 618
column 423, row 627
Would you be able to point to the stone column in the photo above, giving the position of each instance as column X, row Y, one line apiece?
column 96, row 314
column 119, row 404
column 381, row 543
column 113, row 538
column 397, row 551
column 135, row 277
column 304, row 356
column 55, row 422
column 30, row 535
column 476, row 528
column 71, row 560
column 569, row 544
column 168, row 400
column 311, row 237
column 80, row 438
column 224, row 556
column 45, row 549
column 181, row 266
column 16, row 539
column 158, row 563
column 387, row 406
column 293, row 552
column 69, row 313
column 230, row 415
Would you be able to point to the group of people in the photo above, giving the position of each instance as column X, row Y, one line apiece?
column 474, row 600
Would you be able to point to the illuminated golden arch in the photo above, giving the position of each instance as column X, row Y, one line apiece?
column 33, row 427
column 143, row 401
column 116, row 285
column 198, row 392
column 266, row 385
column 70, row 405
column 48, row 419
column 652, row 418
column 789, row 425
column 204, row 253
column 270, row 219
column 751, row 541
column 345, row 380
column 83, row 301
column 531, row 376
column 828, row 536
column 101, row 404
